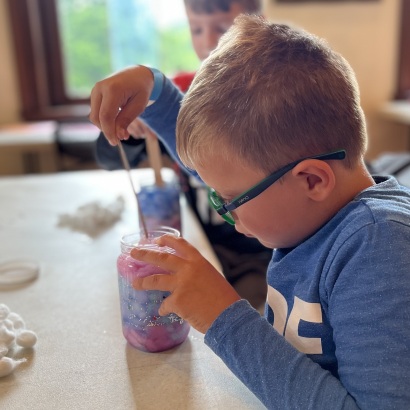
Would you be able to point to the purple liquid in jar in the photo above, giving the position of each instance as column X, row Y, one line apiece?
column 160, row 205
column 142, row 326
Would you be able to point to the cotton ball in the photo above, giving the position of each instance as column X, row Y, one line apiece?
column 3, row 350
column 8, row 324
column 26, row 338
column 4, row 311
column 7, row 365
column 7, row 337
column 17, row 320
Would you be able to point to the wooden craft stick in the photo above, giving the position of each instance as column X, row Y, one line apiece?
column 154, row 157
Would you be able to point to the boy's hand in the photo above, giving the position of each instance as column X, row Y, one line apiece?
column 117, row 100
column 138, row 129
column 199, row 293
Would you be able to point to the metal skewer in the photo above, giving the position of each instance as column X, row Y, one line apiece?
column 126, row 165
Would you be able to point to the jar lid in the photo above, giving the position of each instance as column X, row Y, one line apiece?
column 16, row 272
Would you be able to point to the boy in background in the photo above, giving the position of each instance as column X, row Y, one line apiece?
column 244, row 260
column 273, row 123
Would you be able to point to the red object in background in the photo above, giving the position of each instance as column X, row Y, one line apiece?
column 183, row 80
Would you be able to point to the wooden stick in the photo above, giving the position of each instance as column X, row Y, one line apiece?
column 155, row 160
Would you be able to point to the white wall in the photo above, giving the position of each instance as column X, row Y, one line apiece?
column 366, row 33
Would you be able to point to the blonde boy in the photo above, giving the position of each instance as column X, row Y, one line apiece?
column 273, row 124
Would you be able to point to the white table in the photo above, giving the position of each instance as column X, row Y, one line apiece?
column 81, row 360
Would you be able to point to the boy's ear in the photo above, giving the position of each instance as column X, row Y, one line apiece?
column 316, row 178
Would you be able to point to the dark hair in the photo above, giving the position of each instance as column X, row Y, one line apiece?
column 212, row 6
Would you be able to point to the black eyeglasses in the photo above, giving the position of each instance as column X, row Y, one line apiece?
column 224, row 209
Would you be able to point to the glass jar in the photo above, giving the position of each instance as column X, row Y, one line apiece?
column 142, row 325
column 160, row 205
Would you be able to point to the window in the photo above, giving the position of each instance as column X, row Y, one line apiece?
column 99, row 37
column 64, row 46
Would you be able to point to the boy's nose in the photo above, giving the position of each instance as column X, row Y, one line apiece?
column 210, row 40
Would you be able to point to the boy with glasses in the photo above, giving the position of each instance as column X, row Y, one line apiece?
column 273, row 123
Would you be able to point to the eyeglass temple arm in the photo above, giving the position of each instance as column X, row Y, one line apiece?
column 258, row 189
column 339, row 154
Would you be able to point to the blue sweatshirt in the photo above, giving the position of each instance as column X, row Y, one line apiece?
column 336, row 331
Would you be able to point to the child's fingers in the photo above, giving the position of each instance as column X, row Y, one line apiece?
column 137, row 129
column 168, row 306
column 129, row 112
column 164, row 260
column 183, row 248
column 155, row 282
column 164, row 310
column 95, row 102
column 107, row 114
column 103, row 114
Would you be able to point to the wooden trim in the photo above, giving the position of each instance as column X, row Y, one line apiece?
column 50, row 38
column 403, row 77
column 26, row 70
column 39, row 62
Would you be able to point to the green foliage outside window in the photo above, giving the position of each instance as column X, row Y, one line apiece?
column 93, row 48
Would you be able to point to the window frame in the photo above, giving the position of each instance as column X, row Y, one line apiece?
column 403, row 73
column 40, row 62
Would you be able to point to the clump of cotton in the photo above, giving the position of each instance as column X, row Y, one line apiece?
column 13, row 333
column 93, row 218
